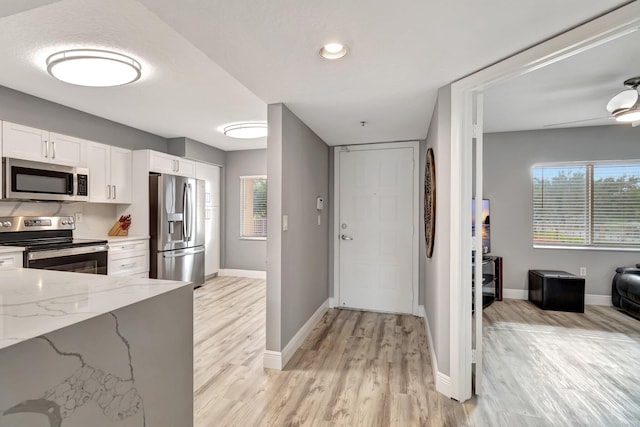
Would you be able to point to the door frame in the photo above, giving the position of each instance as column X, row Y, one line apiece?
column 609, row 26
column 415, row 146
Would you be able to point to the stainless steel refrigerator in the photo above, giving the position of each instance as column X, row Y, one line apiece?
column 177, row 228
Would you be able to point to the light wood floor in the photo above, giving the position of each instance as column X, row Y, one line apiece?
column 550, row 368
column 365, row 369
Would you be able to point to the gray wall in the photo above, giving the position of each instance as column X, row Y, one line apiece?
column 435, row 270
column 18, row 107
column 302, row 263
column 242, row 254
column 508, row 158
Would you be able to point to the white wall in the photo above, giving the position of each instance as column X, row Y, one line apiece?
column 436, row 276
column 508, row 158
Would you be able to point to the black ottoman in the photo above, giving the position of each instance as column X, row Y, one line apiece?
column 556, row 290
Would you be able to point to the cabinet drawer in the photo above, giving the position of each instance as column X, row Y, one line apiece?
column 128, row 246
column 126, row 264
column 10, row 260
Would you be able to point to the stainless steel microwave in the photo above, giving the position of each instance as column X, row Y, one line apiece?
column 27, row 180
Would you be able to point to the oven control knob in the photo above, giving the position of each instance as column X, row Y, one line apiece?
column 7, row 224
column 65, row 222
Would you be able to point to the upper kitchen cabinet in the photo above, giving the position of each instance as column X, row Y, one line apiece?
column 27, row 143
column 173, row 165
column 109, row 173
column 211, row 175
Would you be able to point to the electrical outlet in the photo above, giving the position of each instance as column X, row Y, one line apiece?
column 78, row 217
column 583, row 271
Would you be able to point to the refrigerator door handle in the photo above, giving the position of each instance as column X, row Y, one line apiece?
column 190, row 225
column 182, row 253
column 184, row 214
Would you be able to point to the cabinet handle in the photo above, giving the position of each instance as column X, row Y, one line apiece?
column 127, row 247
column 46, row 149
column 127, row 265
column 114, row 192
column 53, row 149
column 108, row 191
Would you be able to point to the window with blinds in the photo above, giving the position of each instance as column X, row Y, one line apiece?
column 595, row 204
column 253, row 207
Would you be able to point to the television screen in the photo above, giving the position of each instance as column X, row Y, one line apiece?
column 486, row 225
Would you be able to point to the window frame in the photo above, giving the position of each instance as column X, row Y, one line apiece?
column 242, row 183
column 589, row 203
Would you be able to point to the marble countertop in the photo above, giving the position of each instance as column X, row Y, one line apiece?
column 35, row 302
column 8, row 249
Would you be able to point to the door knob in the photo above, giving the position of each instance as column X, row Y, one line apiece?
column 345, row 237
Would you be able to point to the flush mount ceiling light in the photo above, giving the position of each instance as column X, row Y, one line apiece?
column 93, row 67
column 333, row 51
column 246, row 130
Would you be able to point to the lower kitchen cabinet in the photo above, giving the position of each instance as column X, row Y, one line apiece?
column 9, row 260
column 128, row 257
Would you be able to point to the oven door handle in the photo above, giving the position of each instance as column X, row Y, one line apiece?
column 57, row 253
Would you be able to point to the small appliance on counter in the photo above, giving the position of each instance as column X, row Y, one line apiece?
column 49, row 244
column 177, row 228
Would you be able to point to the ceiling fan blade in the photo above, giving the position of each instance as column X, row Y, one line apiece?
column 577, row 121
column 624, row 100
column 635, row 124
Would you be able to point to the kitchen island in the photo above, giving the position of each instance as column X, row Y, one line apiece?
column 92, row 350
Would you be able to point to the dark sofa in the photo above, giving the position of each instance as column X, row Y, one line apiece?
column 625, row 290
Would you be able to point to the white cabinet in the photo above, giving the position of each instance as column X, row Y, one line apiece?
column 128, row 257
column 9, row 260
column 27, row 143
column 166, row 163
column 109, row 173
column 211, row 176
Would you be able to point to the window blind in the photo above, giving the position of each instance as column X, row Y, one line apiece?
column 560, row 205
column 253, row 209
column 592, row 204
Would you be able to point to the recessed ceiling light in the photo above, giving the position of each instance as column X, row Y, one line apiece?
column 93, row 67
column 333, row 51
column 246, row 130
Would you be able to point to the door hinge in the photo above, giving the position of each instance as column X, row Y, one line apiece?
column 474, row 356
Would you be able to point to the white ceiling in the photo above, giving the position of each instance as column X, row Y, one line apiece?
column 200, row 56
column 568, row 93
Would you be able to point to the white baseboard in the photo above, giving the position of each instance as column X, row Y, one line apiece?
column 272, row 360
column 443, row 382
column 515, row 293
column 278, row 360
column 251, row 274
column 421, row 312
column 589, row 299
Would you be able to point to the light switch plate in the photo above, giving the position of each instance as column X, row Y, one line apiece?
column 285, row 222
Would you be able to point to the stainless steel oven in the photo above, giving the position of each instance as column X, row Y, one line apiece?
column 49, row 244
column 84, row 259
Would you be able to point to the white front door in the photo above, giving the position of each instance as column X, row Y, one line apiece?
column 376, row 222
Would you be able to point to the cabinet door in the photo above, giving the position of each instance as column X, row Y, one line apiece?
column 211, row 175
column 23, row 142
column 121, row 174
column 67, row 150
column 98, row 162
column 186, row 167
column 162, row 163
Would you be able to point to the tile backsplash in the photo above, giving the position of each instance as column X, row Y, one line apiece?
column 96, row 221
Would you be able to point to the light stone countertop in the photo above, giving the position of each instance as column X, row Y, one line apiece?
column 9, row 249
column 117, row 239
column 35, row 302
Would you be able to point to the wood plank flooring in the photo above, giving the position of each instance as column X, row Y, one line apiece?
column 356, row 368
column 550, row 368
